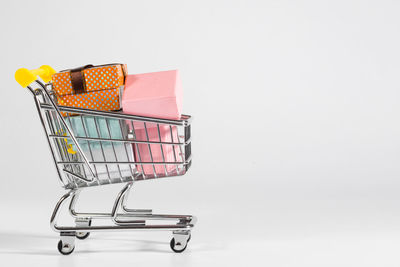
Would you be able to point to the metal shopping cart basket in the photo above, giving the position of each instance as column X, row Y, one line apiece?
column 94, row 148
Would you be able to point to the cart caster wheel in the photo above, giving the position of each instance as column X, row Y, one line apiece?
column 83, row 235
column 177, row 248
column 65, row 248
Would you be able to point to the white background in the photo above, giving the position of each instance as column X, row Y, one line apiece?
column 295, row 134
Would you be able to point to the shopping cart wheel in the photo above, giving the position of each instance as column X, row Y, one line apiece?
column 83, row 235
column 65, row 248
column 177, row 247
column 180, row 240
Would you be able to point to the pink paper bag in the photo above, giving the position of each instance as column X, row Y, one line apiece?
column 156, row 94
column 159, row 95
column 159, row 153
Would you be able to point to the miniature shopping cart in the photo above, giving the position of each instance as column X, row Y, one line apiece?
column 94, row 148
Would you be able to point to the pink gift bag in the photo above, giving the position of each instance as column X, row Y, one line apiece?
column 157, row 94
column 157, row 152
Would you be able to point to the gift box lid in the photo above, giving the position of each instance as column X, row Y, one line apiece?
column 156, row 94
column 89, row 78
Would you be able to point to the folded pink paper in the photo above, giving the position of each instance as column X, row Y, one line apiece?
column 156, row 94
column 159, row 95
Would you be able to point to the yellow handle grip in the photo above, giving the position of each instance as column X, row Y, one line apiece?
column 25, row 77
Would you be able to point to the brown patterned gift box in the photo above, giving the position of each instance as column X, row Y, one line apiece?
column 92, row 87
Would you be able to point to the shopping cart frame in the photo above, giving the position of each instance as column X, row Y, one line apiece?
column 122, row 217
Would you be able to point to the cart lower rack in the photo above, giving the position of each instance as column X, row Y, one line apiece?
column 94, row 148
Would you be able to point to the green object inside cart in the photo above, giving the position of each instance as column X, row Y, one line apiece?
column 95, row 127
column 110, row 149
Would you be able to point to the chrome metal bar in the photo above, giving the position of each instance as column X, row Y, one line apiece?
column 133, row 211
column 102, row 149
column 89, row 147
column 185, row 119
column 72, row 204
column 141, row 214
column 56, row 128
column 137, row 149
column 120, row 140
column 167, row 227
column 162, row 150
column 173, row 147
column 118, row 203
column 131, row 215
column 72, row 136
column 45, row 131
column 64, row 150
column 60, row 203
column 125, row 162
column 76, row 175
column 151, row 154
column 125, row 144
column 113, row 148
column 180, row 148
column 136, row 212
column 77, row 167
column 56, row 143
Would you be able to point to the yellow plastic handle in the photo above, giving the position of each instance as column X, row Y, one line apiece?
column 25, row 77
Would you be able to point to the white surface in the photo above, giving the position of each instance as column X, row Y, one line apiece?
column 295, row 137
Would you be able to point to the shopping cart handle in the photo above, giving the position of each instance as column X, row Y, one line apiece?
column 25, row 77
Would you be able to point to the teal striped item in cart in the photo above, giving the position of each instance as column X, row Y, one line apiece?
column 100, row 127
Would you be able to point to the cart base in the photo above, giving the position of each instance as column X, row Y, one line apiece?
column 122, row 219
